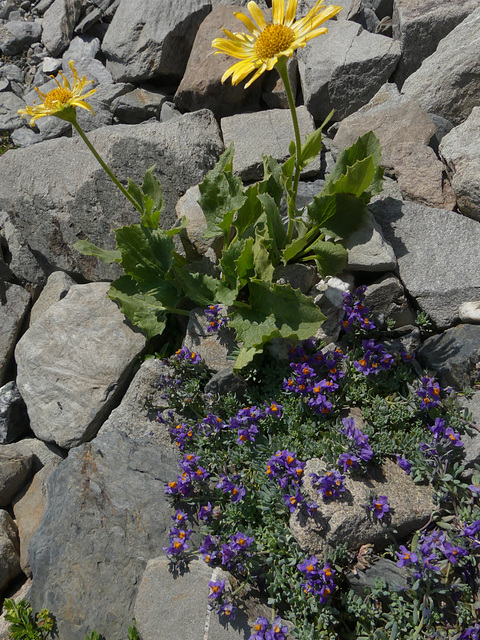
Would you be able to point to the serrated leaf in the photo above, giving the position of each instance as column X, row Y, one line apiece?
column 273, row 181
column 262, row 263
column 144, row 310
column 135, row 191
column 356, row 179
column 87, row 248
column 311, row 148
column 338, row 214
column 276, row 230
column 330, row 257
column 146, row 253
column 152, row 188
column 221, row 195
column 204, row 289
column 249, row 212
column 237, row 262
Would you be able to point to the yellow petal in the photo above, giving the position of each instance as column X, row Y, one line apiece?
column 278, row 9
column 291, row 11
column 251, row 26
column 257, row 14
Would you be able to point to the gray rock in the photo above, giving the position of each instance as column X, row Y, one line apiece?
column 328, row 296
column 13, row 414
column 101, row 103
column 386, row 299
column 298, row 276
column 106, row 525
column 136, row 416
column 43, row 5
column 157, row 619
column 443, row 126
column 396, row 578
column 59, row 21
column 193, row 236
column 264, row 133
column 138, row 105
column 470, row 312
column 454, row 355
column 16, row 468
column 149, row 39
column 448, row 81
column 12, row 72
column 449, row 241
column 22, row 265
column 9, row 549
column 348, row 520
column 73, row 363
column 14, row 303
column 201, row 84
column 81, row 47
column 273, row 90
column 212, row 347
column 344, row 69
column 462, row 156
column 419, row 26
column 9, row 105
column 4, row 85
column 43, row 454
column 367, row 249
column 61, row 184
column 51, row 65
column 226, row 381
column 57, row 287
column 16, row 36
column 471, row 439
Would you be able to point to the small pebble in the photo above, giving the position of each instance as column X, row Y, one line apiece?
column 469, row 311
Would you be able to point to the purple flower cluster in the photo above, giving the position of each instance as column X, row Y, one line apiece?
column 182, row 435
column 356, row 313
column 263, row 631
column 178, row 536
column 236, row 492
column 429, row 393
column 184, row 354
column 360, row 447
column 472, row 633
column 211, row 422
column 374, row 359
column 318, row 582
column 380, row 507
column 192, row 474
column 218, row 601
column 445, row 435
column 330, row 485
column 432, row 549
column 285, row 469
column 404, row 464
column 232, row 554
column 245, row 422
column 471, row 530
column 216, row 321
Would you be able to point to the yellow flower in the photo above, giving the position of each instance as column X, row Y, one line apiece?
column 260, row 49
column 62, row 100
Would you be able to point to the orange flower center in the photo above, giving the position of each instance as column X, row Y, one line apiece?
column 274, row 39
column 57, row 95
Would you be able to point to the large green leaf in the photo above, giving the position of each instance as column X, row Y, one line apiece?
column 87, row 248
column 356, row 179
column 221, row 195
column 261, row 258
column 144, row 310
column 237, row 262
column 313, row 144
column 273, row 181
column 146, row 253
column 330, row 257
column 338, row 214
column 154, row 198
column 276, row 229
column 275, row 311
column 204, row 289
column 250, row 210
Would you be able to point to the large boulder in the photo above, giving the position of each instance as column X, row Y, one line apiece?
column 58, row 24
column 437, row 256
column 74, row 362
column 108, row 516
column 62, row 194
column 448, row 81
column 14, row 303
column 344, row 69
column 150, row 39
column 15, row 471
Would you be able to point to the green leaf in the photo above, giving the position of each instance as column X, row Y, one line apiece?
column 146, row 253
column 87, row 248
column 338, row 214
column 276, row 229
column 273, row 181
column 152, row 190
column 135, row 191
column 249, row 212
column 261, row 258
column 221, row 196
column 330, row 257
column 299, row 243
column 204, row 289
column 356, row 179
column 237, row 262
column 275, row 311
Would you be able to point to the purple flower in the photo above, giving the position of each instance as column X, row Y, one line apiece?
column 208, row 549
column 293, row 502
column 217, row 588
column 278, row 631
column 380, row 506
column 260, row 626
column 240, row 542
column 188, row 356
column 180, row 517
column 452, row 553
column 472, row 633
column 375, row 359
column 406, row 557
column 404, row 464
column 205, row 512
column 227, row 609
column 438, row 428
column 429, row 393
column 475, row 488
column 348, row 461
column 330, row 485
column 309, row 567
column 285, row 468
column 472, row 529
column 274, row 409
column 215, row 319
column 453, row 438
column 356, row 314
column 213, row 421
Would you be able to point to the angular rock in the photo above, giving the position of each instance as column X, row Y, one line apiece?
column 419, row 26
column 328, row 296
column 436, row 253
column 157, row 619
column 212, row 347
column 57, row 287
column 9, row 551
column 471, row 439
column 367, row 249
column 298, row 276
column 149, row 39
column 201, row 85
column 101, row 103
column 344, row 69
column 386, row 299
column 59, row 22
column 28, row 507
column 108, row 514
column 23, row 266
column 9, row 105
column 194, row 234
column 15, row 471
column 448, row 81
column 226, row 381
column 83, row 47
column 43, row 454
column 17, row 35
column 396, row 578
column 13, row 414
column 14, row 303
column 138, row 105
column 61, row 184
column 470, row 312
column 454, row 355
column 51, row 65
column 347, row 520
column 12, row 72
column 462, row 156
column 136, row 416
column 73, row 363
column 264, row 133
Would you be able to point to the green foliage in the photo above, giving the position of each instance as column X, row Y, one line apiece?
column 5, row 143
column 158, row 281
column 23, row 625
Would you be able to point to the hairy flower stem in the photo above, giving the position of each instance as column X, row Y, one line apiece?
column 104, row 166
column 281, row 67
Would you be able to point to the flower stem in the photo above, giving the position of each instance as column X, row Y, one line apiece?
column 281, row 67
column 104, row 166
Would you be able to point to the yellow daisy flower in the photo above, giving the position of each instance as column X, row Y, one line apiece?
column 62, row 100
column 260, row 49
